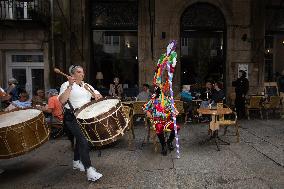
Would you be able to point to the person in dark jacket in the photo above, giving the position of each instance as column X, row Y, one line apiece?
column 241, row 88
column 218, row 94
column 280, row 82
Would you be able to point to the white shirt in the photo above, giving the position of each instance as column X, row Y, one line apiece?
column 79, row 96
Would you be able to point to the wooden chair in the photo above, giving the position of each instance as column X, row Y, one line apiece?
column 255, row 104
column 231, row 98
column 282, row 104
column 59, row 127
column 271, row 89
column 152, row 134
column 229, row 120
column 179, row 106
column 138, row 108
column 272, row 105
column 128, row 111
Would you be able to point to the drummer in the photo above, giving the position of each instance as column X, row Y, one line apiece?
column 73, row 95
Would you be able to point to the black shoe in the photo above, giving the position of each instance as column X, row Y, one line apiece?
column 171, row 146
column 164, row 151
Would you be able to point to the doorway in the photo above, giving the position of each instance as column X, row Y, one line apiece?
column 27, row 68
column 203, row 46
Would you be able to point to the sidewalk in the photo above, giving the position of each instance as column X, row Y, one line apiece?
column 256, row 162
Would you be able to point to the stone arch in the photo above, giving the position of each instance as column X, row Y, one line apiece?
column 175, row 23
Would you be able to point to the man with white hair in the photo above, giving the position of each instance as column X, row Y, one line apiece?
column 54, row 107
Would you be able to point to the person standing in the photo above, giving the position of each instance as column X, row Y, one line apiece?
column 74, row 95
column 116, row 89
column 280, row 82
column 241, row 88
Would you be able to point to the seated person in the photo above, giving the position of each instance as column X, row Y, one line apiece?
column 39, row 98
column 145, row 94
column 206, row 95
column 186, row 97
column 218, row 94
column 21, row 103
column 54, row 107
column 13, row 90
column 160, row 112
column 2, row 92
column 185, row 94
column 116, row 89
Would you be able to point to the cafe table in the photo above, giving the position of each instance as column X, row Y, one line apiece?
column 214, row 123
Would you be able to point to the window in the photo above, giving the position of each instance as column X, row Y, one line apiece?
column 115, row 41
column 107, row 40
column 111, row 40
column 184, row 41
column 27, row 58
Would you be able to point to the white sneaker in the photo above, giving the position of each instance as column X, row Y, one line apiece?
column 92, row 175
column 78, row 165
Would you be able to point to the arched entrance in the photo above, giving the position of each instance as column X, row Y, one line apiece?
column 203, row 45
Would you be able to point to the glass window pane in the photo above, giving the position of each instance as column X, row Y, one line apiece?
column 27, row 58
column 37, row 79
column 21, row 76
column 115, row 40
column 116, row 56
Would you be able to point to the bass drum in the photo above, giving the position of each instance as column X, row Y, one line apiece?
column 102, row 121
column 21, row 131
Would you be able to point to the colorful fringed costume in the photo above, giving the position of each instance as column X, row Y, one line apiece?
column 160, row 107
column 161, row 116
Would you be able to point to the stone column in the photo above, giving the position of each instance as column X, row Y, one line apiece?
column 145, row 60
column 47, row 65
column 258, row 42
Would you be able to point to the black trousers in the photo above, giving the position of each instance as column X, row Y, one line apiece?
column 240, row 106
column 81, row 151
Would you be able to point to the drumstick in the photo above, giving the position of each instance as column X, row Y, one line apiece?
column 86, row 86
column 56, row 70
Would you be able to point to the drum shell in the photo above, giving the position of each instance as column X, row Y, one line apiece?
column 106, row 128
column 23, row 137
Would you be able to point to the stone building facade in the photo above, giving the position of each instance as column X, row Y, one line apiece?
column 249, row 27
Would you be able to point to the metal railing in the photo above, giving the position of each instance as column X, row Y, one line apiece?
column 24, row 9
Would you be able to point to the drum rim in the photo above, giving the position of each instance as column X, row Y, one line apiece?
column 19, row 109
column 77, row 112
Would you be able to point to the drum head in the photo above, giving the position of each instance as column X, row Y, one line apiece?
column 21, row 131
column 94, row 109
column 16, row 117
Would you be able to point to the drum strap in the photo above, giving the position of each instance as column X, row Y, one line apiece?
column 71, row 107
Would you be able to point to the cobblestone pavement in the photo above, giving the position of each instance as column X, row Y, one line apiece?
column 256, row 162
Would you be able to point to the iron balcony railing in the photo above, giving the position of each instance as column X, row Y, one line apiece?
column 24, row 9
